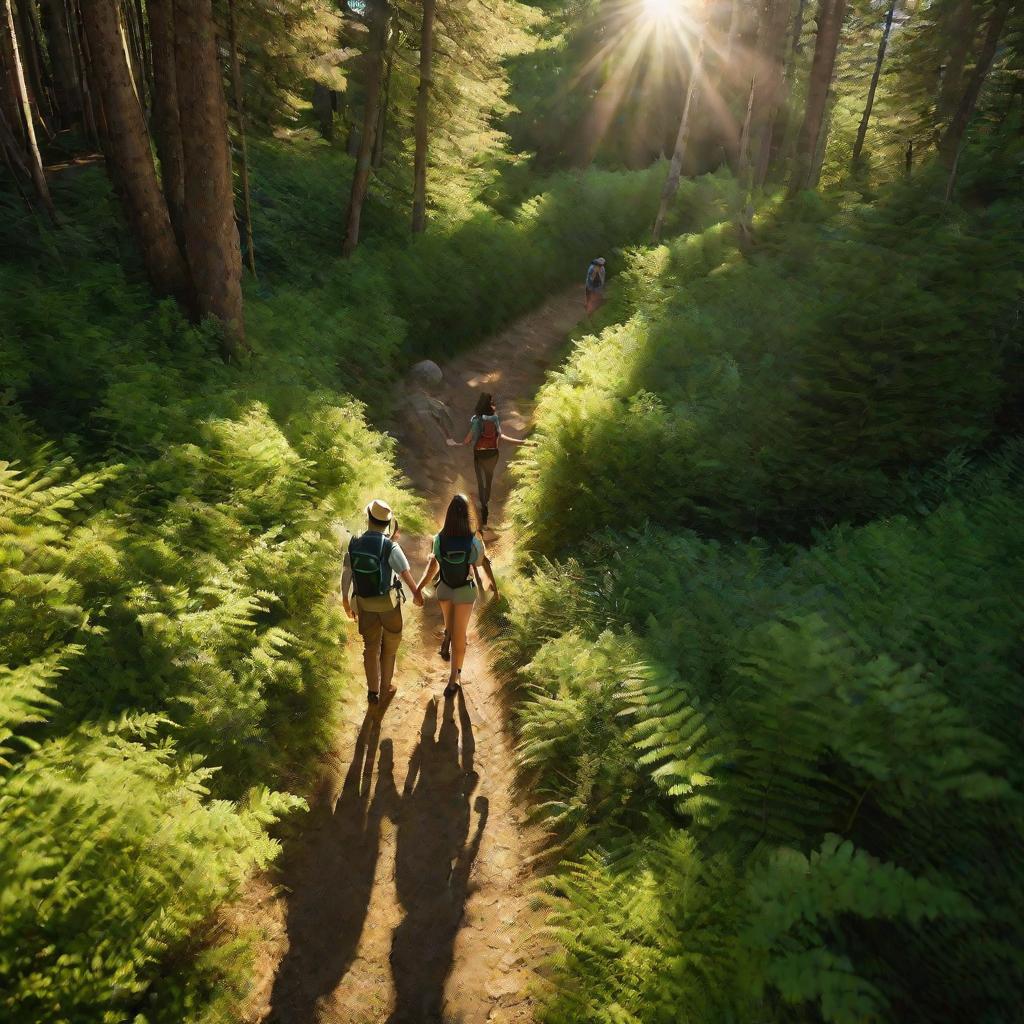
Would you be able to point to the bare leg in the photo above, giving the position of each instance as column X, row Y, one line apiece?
column 446, row 642
column 459, row 627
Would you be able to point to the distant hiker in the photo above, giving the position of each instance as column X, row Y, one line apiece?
column 456, row 550
column 485, row 434
column 374, row 565
column 594, row 289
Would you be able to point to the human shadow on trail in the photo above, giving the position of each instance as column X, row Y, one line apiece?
column 326, row 914
column 433, row 860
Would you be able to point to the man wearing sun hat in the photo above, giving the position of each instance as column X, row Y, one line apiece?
column 374, row 564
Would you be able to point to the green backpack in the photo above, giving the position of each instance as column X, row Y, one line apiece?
column 369, row 557
column 455, row 560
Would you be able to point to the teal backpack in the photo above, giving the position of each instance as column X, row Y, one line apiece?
column 369, row 557
column 455, row 560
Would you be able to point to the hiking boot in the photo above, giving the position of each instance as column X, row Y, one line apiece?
column 446, row 647
column 483, row 515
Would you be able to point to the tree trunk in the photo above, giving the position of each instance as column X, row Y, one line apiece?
column 62, row 61
column 952, row 141
column 377, row 9
column 743, row 152
column 826, row 43
column 32, row 62
column 10, row 105
column 789, row 133
column 323, row 108
column 92, row 104
column 419, row 187
column 166, row 119
column 767, row 103
column 961, row 31
column 675, row 167
column 128, row 153
column 35, row 162
column 377, row 159
column 211, row 236
column 822, row 143
column 133, row 51
column 883, row 44
column 243, row 162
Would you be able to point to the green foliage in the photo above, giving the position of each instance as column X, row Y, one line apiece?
column 818, row 744
column 854, row 699
column 843, row 341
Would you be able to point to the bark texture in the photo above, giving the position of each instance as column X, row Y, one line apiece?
column 166, row 122
column 127, row 150
column 830, row 23
column 243, row 148
column 16, row 78
column 378, row 13
column 961, row 29
column 63, row 65
column 419, row 186
column 211, row 236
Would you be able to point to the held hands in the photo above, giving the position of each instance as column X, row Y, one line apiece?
column 417, row 597
column 451, row 442
column 348, row 610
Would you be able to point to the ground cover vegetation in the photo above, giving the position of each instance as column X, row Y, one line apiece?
column 773, row 705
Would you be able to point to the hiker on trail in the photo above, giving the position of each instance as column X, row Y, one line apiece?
column 485, row 434
column 594, row 288
column 456, row 550
column 374, row 567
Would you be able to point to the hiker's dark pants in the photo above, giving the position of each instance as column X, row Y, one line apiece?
column 381, row 633
column 484, row 462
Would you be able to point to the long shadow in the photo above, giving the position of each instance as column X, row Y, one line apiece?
column 433, row 860
column 332, row 887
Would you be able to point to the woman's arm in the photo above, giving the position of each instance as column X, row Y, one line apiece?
column 514, row 440
column 452, row 443
column 428, row 574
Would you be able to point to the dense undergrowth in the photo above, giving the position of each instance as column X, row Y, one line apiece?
column 768, row 643
column 168, row 555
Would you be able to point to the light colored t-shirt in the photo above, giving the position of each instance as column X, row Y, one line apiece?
column 399, row 564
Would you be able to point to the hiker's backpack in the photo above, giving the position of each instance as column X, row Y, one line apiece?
column 369, row 556
column 594, row 278
column 488, row 438
column 455, row 560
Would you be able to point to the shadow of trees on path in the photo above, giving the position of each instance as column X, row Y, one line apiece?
column 332, row 886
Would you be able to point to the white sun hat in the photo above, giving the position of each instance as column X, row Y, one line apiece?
column 379, row 511
column 600, row 260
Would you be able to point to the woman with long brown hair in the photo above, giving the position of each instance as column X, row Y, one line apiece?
column 456, row 551
column 485, row 434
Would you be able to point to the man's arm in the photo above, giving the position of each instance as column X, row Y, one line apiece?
column 346, row 586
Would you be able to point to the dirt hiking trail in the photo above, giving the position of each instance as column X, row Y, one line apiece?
column 406, row 899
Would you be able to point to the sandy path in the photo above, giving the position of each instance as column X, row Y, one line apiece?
column 408, row 901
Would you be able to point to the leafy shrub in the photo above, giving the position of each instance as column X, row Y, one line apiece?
column 784, row 392
column 814, row 721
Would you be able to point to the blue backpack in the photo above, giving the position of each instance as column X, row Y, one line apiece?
column 455, row 560
column 369, row 557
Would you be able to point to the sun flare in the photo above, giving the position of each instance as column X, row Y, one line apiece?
column 662, row 11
